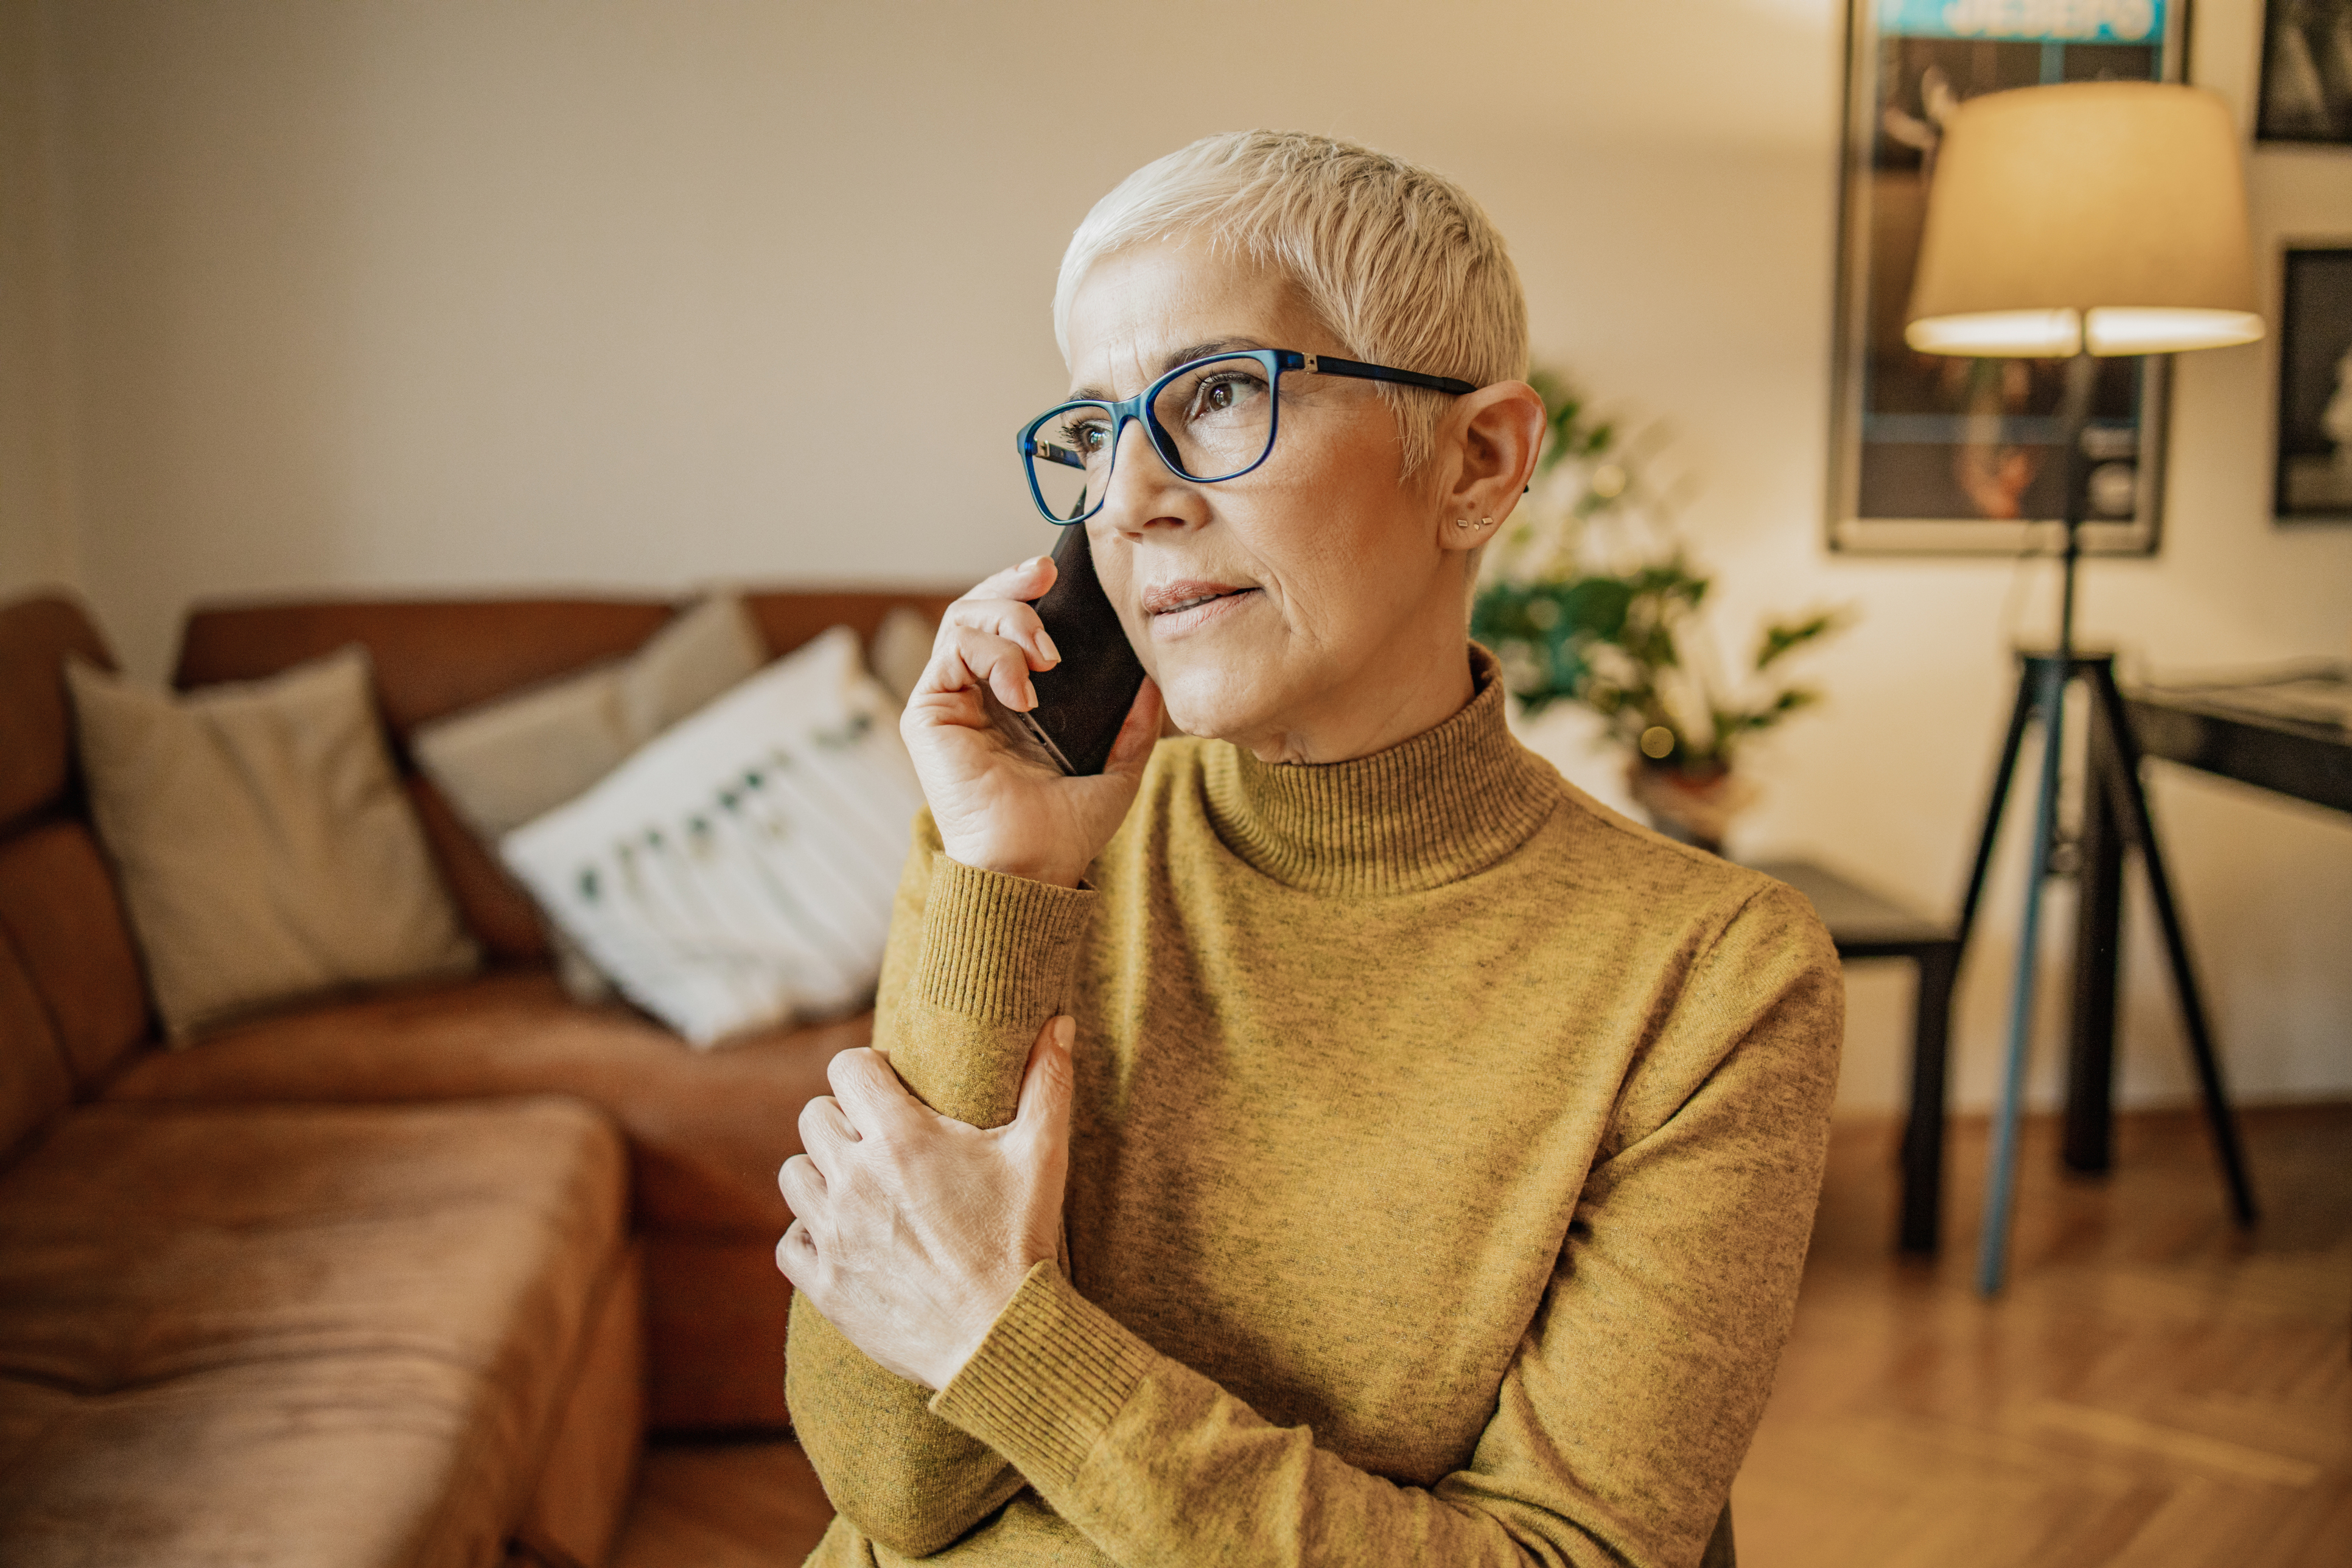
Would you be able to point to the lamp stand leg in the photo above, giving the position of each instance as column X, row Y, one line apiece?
column 2004, row 773
column 2055, row 671
column 1993, row 1250
column 1923, row 1134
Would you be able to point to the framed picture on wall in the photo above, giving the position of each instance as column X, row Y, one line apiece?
column 2315, row 395
column 1935, row 454
column 2306, row 72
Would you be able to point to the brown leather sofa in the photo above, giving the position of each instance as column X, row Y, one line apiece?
column 388, row 1277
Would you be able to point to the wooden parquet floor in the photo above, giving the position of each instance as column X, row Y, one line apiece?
column 2153, row 1390
column 723, row 1505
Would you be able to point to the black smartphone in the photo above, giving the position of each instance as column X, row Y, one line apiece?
column 1083, row 701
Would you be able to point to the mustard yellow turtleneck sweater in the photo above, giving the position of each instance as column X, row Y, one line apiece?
column 1443, row 1159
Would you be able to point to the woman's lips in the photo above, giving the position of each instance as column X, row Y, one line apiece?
column 1176, row 608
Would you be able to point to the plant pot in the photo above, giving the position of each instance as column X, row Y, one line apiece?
column 1694, row 808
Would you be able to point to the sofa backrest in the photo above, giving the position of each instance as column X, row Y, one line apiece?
column 36, row 755
column 431, row 656
column 437, row 657
column 72, row 1001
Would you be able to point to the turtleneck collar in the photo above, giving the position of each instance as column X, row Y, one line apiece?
column 1443, row 806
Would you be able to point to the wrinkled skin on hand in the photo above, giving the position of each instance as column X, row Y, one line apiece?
column 912, row 1230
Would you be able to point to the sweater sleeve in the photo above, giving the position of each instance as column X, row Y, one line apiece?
column 1634, row 1392
column 977, row 963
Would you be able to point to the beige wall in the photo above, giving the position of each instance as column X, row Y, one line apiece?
column 37, row 539
column 638, row 295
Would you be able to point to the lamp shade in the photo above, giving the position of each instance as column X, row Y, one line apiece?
column 2108, row 215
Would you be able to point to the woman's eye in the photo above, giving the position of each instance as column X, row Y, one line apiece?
column 1086, row 436
column 1224, row 393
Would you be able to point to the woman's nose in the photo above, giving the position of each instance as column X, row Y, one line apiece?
column 1145, row 493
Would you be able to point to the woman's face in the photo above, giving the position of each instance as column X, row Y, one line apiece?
column 1311, row 610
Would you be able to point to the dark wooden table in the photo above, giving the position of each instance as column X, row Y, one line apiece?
column 1865, row 924
column 2289, row 731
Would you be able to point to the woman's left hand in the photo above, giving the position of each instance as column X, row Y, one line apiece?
column 912, row 1231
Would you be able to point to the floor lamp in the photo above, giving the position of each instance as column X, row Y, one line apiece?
column 2082, row 221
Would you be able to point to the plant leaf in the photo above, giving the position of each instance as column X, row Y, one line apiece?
column 1781, row 638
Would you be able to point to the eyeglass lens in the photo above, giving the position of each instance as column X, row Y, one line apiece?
column 1215, row 420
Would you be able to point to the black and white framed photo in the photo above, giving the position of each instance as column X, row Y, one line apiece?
column 2315, row 395
column 1942, row 454
column 2306, row 72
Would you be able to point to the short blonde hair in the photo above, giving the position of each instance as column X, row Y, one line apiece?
column 1401, row 264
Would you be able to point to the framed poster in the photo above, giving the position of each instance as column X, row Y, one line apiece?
column 1935, row 454
column 2306, row 72
column 2314, row 398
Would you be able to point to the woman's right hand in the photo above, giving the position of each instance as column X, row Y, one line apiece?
column 997, row 808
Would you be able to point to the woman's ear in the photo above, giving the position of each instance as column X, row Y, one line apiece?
column 1496, row 434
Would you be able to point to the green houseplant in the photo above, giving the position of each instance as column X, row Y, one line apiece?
column 1587, row 598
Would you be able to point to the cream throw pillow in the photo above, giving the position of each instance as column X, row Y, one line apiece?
column 507, row 761
column 265, row 848
column 738, row 871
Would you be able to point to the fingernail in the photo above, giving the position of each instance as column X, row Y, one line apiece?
column 1046, row 648
column 1030, row 690
column 1065, row 1032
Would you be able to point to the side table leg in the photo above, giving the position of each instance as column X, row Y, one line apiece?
column 2098, row 920
column 2139, row 821
column 1923, row 1139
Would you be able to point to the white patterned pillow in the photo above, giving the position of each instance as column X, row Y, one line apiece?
column 738, row 872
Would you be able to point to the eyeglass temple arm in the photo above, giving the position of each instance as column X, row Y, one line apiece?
column 1324, row 365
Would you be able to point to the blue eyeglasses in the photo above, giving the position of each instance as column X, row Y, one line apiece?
column 1209, row 420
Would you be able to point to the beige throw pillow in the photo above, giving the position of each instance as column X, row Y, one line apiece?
column 502, row 763
column 901, row 649
column 519, row 756
column 265, row 848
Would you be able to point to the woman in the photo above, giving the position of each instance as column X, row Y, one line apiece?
column 1392, row 1155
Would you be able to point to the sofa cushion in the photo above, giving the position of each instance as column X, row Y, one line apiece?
column 739, row 871
column 521, row 755
column 34, row 1085
column 901, row 649
column 59, row 909
column 35, row 737
column 265, row 848
column 435, row 658
column 315, row 1336
column 707, row 1129
column 592, row 1456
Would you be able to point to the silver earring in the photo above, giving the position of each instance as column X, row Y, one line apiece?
column 1464, row 522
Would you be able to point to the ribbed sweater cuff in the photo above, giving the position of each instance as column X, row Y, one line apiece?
column 996, row 947
column 1045, row 1384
